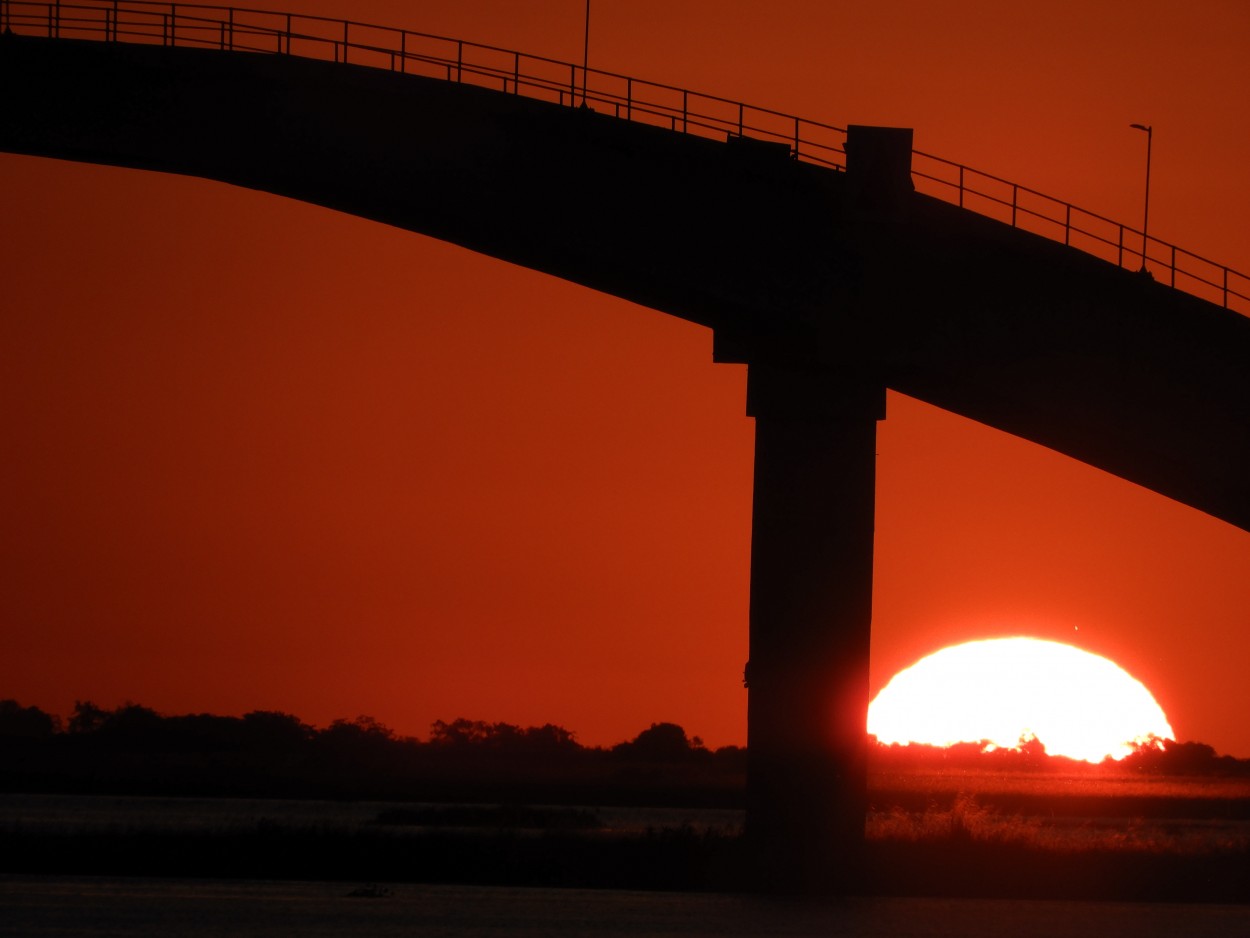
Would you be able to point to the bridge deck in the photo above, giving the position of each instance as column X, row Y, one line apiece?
column 991, row 322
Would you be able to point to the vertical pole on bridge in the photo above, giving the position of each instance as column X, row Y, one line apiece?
column 810, row 616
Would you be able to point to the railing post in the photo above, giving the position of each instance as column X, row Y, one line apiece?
column 403, row 52
column 629, row 98
column 173, row 24
column 346, row 24
column 1067, row 223
column 516, row 72
column 685, row 108
column 230, row 30
column 459, row 60
column 796, row 138
column 740, row 118
column 288, row 36
column 57, row 31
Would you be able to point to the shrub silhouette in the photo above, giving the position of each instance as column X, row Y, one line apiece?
column 662, row 742
column 476, row 735
column 18, row 722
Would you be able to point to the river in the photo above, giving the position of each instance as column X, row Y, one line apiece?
column 94, row 907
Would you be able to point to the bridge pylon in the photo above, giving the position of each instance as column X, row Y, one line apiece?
column 810, row 616
column 816, row 395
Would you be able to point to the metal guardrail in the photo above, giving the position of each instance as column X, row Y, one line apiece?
column 234, row 29
column 246, row 30
column 1110, row 240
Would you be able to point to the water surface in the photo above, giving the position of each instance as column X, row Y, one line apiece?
column 93, row 907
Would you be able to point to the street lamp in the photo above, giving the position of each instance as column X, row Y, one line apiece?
column 585, row 53
column 1145, row 224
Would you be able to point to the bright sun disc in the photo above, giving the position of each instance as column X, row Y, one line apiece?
column 1001, row 690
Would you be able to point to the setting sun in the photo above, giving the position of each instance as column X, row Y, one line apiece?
column 1076, row 703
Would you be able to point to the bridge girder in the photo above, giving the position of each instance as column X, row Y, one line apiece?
column 990, row 322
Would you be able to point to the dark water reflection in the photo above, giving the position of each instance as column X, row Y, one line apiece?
column 89, row 907
column 53, row 813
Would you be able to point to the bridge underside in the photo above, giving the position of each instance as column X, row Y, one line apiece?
column 787, row 262
column 830, row 286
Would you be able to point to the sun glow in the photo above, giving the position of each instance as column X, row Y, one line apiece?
column 1076, row 703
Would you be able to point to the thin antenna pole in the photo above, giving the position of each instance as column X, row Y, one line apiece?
column 585, row 53
column 1145, row 224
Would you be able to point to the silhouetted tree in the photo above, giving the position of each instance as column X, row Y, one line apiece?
column 550, row 739
column 1155, row 756
column 462, row 733
column 964, row 755
column 362, row 728
column 87, row 717
column 134, row 725
column 1190, row 758
column 273, row 730
column 361, row 739
column 21, row 722
column 662, row 742
column 1029, row 755
column 467, row 736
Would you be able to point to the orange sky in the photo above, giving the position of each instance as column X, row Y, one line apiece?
column 262, row 455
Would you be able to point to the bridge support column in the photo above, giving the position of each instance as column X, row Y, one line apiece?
column 811, row 602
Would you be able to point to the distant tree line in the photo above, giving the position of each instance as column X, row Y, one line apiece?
column 133, row 749
column 1159, row 757
column 132, row 725
column 1152, row 756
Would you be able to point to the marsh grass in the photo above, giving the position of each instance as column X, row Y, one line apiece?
column 954, row 835
column 1135, row 839
column 1093, row 783
column 968, row 820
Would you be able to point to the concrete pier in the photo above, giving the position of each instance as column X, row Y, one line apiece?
column 811, row 611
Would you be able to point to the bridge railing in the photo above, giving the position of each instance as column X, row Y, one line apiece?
column 1113, row 241
column 347, row 41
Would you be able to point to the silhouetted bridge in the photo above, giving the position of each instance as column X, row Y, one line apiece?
column 834, row 263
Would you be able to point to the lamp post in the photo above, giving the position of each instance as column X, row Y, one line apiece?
column 1145, row 225
column 585, row 53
